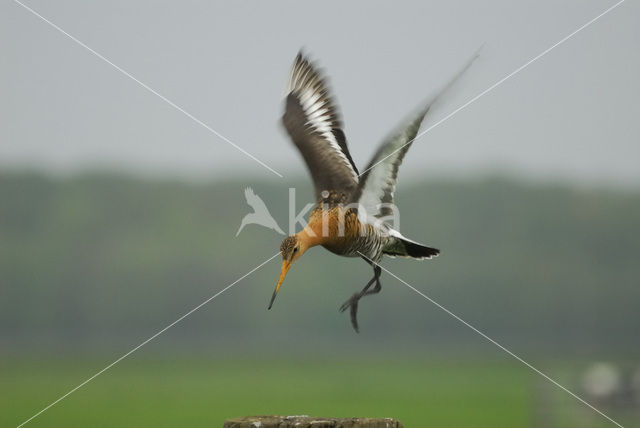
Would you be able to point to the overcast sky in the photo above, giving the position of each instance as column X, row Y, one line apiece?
column 573, row 114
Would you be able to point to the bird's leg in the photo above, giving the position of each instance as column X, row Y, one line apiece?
column 356, row 296
column 377, row 270
column 353, row 300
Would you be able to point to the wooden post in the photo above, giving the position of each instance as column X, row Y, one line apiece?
column 309, row 422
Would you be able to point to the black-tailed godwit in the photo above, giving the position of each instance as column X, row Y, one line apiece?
column 348, row 219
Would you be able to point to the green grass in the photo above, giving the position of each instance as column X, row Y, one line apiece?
column 189, row 392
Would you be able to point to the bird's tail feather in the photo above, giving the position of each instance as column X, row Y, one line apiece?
column 407, row 248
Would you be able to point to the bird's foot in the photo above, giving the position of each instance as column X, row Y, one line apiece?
column 350, row 301
column 353, row 303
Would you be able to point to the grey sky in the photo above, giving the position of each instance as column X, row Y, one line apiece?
column 571, row 115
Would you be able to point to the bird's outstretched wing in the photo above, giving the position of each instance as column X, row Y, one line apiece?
column 378, row 181
column 314, row 125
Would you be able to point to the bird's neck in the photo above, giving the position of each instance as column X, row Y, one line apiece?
column 321, row 230
column 311, row 236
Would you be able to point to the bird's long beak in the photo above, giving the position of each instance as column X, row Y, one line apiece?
column 283, row 272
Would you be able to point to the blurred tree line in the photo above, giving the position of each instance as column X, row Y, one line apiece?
column 101, row 259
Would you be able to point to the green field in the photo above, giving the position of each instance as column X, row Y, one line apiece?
column 173, row 392
column 183, row 391
column 91, row 265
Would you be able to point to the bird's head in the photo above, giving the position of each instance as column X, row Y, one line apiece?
column 291, row 249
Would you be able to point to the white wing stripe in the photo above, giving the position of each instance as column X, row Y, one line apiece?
column 378, row 180
column 315, row 108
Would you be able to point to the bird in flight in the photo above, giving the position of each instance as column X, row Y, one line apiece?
column 349, row 216
column 260, row 214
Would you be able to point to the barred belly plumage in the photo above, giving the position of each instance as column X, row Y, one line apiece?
column 356, row 239
column 370, row 244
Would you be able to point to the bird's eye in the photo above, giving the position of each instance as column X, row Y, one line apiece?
column 295, row 249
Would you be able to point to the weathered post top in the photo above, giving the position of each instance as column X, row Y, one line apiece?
column 310, row 422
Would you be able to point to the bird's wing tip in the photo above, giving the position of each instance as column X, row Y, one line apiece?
column 303, row 54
